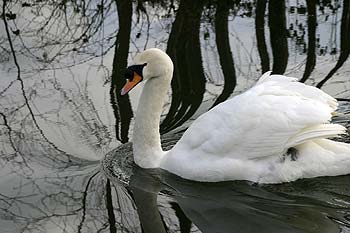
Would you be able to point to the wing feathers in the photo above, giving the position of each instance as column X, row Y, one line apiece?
column 275, row 114
column 289, row 85
column 317, row 131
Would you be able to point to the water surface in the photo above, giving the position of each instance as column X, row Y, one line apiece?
column 61, row 66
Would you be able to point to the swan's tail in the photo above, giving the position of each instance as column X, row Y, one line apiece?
column 318, row 157
column 315, row 132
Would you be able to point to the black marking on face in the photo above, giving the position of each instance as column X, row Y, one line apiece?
column 129, row 72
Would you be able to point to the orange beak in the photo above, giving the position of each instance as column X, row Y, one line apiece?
column 131, row 84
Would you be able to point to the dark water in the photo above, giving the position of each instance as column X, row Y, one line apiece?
column 60, row 64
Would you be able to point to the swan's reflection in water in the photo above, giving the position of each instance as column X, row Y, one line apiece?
column 314, row 205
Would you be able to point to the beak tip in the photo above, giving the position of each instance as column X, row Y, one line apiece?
column 122, row 91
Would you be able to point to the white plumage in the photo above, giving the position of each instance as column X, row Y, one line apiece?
column 246, row 137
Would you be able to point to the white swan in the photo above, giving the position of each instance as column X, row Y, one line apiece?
column 247, row 137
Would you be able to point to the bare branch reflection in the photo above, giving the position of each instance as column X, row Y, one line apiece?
column 344, row 43
column 22, row 83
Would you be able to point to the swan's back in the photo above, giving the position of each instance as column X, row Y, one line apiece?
column 249, row 135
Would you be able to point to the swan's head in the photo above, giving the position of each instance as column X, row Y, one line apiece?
column 151, row 63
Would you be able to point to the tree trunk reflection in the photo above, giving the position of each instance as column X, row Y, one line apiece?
column 224, row 50
column 110, row 209
column 278, row 36
column 311, row 31
column 121, row 104
column 188, row 84
column 260, row 34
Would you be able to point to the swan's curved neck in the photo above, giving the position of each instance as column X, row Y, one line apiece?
column 146, row 139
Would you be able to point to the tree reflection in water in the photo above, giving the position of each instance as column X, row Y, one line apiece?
column 344, row 43
column 188, row 85
column 121, row 104
column 260, row 34
column 278, row 36
column 183, row 46
column 55, row 115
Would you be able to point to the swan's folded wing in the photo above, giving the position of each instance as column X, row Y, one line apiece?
column 263, row 121
column 291, row 85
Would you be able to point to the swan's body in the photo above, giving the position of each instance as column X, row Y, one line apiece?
column 246, row 137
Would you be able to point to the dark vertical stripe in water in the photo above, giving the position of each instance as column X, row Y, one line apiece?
column 121, row 104
column 147, row 208
column 311, row 31
column 278, row 35
column 184, row 221
column 110, row 209
column 344, row 42
column 260, row 34
column 224, row 49
column 173, row 52
column 188, row 84
column 85, row 193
